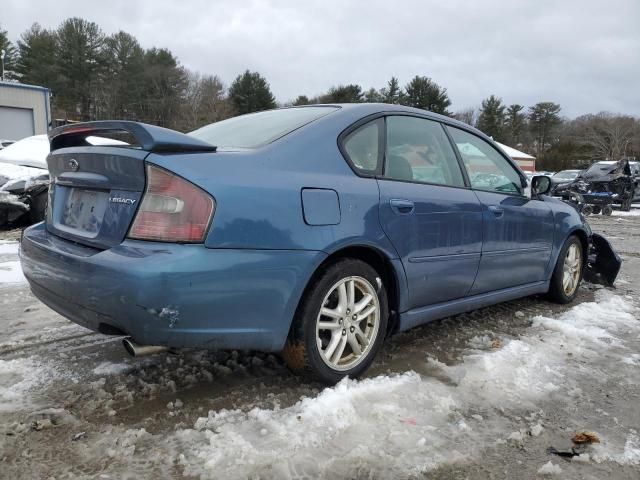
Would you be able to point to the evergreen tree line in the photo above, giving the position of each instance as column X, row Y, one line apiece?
column 96, row 76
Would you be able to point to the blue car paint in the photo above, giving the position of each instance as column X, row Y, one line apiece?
column 180, row 295
column 241, row 287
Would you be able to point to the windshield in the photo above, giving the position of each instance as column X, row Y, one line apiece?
column 256, row 129
column 566, row 175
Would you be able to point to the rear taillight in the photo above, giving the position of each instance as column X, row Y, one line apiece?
column 172, row 210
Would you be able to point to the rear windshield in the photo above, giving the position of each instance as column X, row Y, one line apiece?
column 256, row 129
column 602, row 168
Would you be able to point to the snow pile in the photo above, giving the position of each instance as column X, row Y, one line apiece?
column 629, row 456
column 549, row 469
column 403, row 425
column 108, row 368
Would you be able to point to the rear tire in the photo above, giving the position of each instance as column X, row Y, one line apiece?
column 607, row 210
column 340, row 324
column 568, row 271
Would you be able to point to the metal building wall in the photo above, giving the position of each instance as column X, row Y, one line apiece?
column 15, row 100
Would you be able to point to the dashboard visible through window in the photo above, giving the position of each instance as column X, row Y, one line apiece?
column 486, row 167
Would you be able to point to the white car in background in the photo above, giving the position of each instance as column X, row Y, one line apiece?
column 24, row 178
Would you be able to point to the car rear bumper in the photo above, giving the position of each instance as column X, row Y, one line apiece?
column 170, row 294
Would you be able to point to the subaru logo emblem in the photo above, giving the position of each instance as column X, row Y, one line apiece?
column 73, row 165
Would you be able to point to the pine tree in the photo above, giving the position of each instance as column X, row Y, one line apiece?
column 544, row 117
column 492, row 117
column 80, row 64
column 515, row 124
column 372, row 96
column 124, row 83
column 351, row 93
column 391, row 94
column 165, row 82
column 37, row 57
column 301, row 100
column 250, row 92
column 424, row 93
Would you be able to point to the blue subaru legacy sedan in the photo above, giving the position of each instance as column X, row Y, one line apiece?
column 314, row 231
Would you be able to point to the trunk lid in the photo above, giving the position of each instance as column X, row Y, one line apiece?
column 94, row 193
column 98, row 180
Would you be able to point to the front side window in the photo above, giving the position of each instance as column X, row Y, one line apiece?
column 362, row 147
column 487, row 169
column 418, row 150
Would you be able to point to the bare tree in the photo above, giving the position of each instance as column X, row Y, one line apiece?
column 468, row 116
column 607, row 135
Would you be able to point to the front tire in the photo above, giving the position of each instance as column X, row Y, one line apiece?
column 340, row 324
column 568, row 271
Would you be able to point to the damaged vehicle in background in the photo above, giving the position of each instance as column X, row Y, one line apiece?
column 563, row 177
column 24, row 179
column 314, row 231
column 604, row 183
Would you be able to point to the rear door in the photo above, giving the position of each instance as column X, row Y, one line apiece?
column 517, row 230
column 94, row 193
column 431, row 217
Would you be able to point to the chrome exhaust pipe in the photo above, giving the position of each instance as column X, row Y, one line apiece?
column 136, row 350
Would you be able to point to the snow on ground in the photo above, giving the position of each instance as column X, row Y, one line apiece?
column 109, row 368
column 9, row 248
column 389, row 426
column 634, row 212
column 20, row 380
column 404, row 425
column 11, row 273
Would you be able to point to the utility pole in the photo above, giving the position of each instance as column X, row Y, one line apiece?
column 2, row 57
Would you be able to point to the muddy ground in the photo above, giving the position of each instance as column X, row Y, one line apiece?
column 481, row 395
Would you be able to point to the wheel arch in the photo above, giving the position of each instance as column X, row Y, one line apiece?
column 391, row 277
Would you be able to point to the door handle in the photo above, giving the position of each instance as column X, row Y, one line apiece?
column 496, row 210
column 402, row 206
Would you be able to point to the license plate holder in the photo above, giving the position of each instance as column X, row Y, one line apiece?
column 84, row 210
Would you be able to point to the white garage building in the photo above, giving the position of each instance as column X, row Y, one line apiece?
column 24, row 110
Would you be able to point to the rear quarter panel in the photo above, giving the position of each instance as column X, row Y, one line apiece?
column 259, row 192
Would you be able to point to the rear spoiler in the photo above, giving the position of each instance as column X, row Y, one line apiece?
column 147, row 137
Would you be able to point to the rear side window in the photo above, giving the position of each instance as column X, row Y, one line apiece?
column 256, row 129
column 362, row 147
column 418, row 150
column 487, row 169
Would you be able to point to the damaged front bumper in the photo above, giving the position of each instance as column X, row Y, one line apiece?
column 603, row 263
column 12, row 208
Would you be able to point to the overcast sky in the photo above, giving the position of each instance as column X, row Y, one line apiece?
column 583, row 54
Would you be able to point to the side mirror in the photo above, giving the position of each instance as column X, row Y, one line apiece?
column 540, row 185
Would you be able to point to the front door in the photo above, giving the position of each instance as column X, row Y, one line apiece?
column 517, row 230
column 433, row 220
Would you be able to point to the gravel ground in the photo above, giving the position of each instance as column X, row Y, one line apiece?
column 481, row 395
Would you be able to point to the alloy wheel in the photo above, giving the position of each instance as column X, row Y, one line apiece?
column 571, row 269
column 348, row 323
